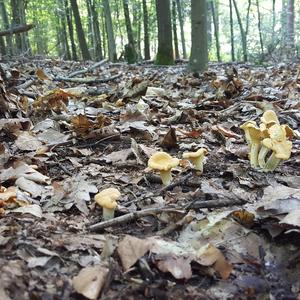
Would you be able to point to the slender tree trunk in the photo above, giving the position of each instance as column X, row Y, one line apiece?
column 146, row 31
column 247, row 19
column 136, row 26
column 273, row 21
column 130, row 52
column 216, row 30
column 174, row 27
column 259, row 29
column 231, row 31
column 243, row 35
column 165, row 49
column 110, row 32
column 290, row 29
column 70, row 29
column 199, row 54
column 181, row 23
column 80, row 33
column 8, row 38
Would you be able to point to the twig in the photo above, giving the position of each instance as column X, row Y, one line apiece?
column 197, row 204
column 87, row 80
column 94, row 66
column 130, row 217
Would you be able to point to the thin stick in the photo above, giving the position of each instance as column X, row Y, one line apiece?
column 94, row 66
column 87, row 80
column 130, row 217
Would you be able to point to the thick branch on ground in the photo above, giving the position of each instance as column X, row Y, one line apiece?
column 94, row 66
column 130, row 217
column 14, row 30
column 87, row 80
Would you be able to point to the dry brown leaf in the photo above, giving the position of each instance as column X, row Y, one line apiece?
column 130, row 249
column 90, row 281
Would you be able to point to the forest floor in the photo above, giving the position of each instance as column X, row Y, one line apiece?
column 232, row 232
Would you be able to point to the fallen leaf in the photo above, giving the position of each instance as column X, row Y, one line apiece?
column 90, row 281
column 130, row 249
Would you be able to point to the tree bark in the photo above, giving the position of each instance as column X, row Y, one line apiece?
column 181, row 23
column 164, row 54
column 4, row 17
column 110, row 32
column 146, row 31
column 70, row 29
column 174, row 27
column 243, row 35
column 290, row 38
column 231, row 31
column 216, row 30
column 259, row 29
column 199, row 53
column 80, row 33
column 130, row 52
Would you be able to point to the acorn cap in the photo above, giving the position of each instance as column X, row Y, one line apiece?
column 108, row 198
column 162, row 161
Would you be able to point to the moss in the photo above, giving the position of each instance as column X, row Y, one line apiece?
column 164, row 57
column 130, row 54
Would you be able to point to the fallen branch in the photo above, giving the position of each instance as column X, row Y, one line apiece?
column 15, row 30
column 130, row 217
column 96, row 65
column 198, row 204
column 87, row 80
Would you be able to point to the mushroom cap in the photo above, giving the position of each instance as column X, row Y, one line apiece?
column 252, row 132
column 282, row 149
column 162, row 161
column 108, row 198
column 269, row 118
column 198, row 153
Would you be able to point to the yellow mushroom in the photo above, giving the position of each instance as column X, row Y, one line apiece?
column 163, row 162
column 253, row 135
column 108, row 200
column 279, row 145
column 196, row 158
column 269, row 118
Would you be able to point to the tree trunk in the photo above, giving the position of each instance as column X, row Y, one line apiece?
column 95, row 26
column 174, row 26
column 110, row 32
column 165, row 49
column 243, row 35
column 181, row 23
column 231, row 31
column 70, row 29
column 290, row 37
column 136, row 21
column 273, row 21
column 8, row 38
column 259, row 29
column 130, row 52
column 80, row 33
column 146, row 31
column 216, row 30
column 199, row 54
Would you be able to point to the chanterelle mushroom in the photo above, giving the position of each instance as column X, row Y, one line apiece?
column 163, row 162
column 108, row 200
column 196, row 158
column 278, row 143
column 253, row 136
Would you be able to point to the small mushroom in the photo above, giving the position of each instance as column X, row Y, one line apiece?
column 163, row 162
column 269, row 118
column 278, row 143
column 253, row 136
column 108, row 200
column 196, row 158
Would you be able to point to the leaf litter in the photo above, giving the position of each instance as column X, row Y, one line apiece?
column 231, row 232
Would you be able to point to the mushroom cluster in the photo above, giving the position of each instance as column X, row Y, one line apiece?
column 163, row 162
column 269, row 143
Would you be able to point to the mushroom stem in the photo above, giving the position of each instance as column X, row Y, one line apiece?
column 272, row 163
column 198, row 163
column 166, row 177
column 253, row 156
column 262, row 156
column 108, row 213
